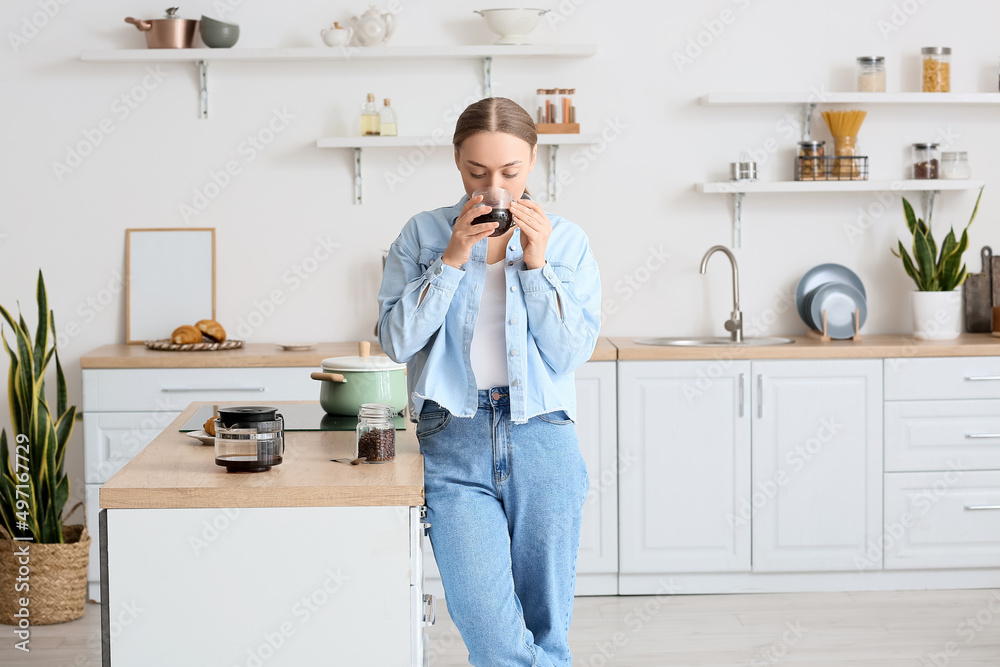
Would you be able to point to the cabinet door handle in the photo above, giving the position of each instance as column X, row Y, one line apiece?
column 976, row 436
column 760, row 396
column 183, row 389
column 742, row 395
column 981, row 378
column 982, row 507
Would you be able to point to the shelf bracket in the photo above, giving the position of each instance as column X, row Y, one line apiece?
column 738, row 218
column 807, row 118
column 357, row 176
column 203, row 87
column 929, row 196
column 553, row 170
column 488, row 76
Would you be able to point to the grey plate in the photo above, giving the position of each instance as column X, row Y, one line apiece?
column 824, row 273
column 840, row 301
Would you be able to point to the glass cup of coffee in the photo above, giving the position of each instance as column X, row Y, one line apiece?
column 498, row 200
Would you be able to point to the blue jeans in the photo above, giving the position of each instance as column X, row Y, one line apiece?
column 504, row 502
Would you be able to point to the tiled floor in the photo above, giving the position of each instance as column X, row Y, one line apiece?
column 884, row 629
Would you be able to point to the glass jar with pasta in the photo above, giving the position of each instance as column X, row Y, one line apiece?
column 936, row 69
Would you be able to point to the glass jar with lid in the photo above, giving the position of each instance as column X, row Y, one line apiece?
column 954, row 165
column 926, row 160
column 376, row 433
column 810, row 165
column 936, row 69
column 871, row 74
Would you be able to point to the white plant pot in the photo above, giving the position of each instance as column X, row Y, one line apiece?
column 937, row 315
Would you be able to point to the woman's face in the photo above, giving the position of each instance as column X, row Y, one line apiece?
column 495, row 159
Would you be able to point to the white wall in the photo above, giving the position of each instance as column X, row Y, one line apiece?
column 636, row 195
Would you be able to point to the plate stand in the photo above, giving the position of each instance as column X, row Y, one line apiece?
column 824, row 338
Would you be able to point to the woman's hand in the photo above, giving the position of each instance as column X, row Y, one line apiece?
column 465, row 235
column 535, row 228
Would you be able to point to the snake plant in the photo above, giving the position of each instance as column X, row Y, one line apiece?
column 34, row 488
column 935, row 270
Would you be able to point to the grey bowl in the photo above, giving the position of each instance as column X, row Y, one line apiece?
column 218, row 34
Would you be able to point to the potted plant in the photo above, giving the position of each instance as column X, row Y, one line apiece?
column 43, row 564
column 938, row 274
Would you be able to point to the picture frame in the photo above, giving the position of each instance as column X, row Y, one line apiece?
column 169, row 280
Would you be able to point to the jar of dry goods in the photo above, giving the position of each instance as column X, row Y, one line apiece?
column 376, row 433
column 936, row 69
column 954, row 165
column 926, row 160
column 811, row 165
column 871, row 74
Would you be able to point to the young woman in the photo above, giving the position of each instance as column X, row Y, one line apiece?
column 491, row 330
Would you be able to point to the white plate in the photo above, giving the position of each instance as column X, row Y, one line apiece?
column 202, row 437
column 296, row 347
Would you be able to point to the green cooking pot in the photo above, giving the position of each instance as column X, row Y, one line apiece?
column 349, row 382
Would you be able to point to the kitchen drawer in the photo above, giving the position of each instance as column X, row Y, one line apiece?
column 172, row 389
column 942, row 435
column 111, row 439
column 948, row 378
column 942, row 519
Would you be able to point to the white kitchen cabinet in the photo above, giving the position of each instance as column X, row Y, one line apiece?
column 940, row 435
column 111, row 439
column 684, row 472
column 596, row 424
column 817, row 463
column 946, row 519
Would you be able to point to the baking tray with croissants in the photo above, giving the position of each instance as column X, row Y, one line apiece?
column 204, row 335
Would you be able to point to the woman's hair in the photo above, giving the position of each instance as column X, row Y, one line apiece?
column 495, row 114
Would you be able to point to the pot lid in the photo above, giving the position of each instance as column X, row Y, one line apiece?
column 359, row 363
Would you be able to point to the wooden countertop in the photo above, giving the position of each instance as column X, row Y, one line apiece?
column 251, row 355
column 176, row 471
column 875, row 346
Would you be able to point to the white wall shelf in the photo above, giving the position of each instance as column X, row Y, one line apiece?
column 553, row 141
column 202, row 57
column 821, row 97
column 930, row 188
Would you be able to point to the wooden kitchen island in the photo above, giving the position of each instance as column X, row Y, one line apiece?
column 310, row 563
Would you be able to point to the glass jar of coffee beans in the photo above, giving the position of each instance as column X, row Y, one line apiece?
column 376, row 433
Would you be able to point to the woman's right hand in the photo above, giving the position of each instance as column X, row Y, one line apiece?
column 465, row 234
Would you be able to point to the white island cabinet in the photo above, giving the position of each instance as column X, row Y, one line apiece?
column 312, row 562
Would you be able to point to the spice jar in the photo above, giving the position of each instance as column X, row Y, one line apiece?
column 954, row 165
column 926, row 159
column 811, row 165
column 570, row 106
column 542, row 106
column 376, row 433
column 936, row 68
column 871, row 74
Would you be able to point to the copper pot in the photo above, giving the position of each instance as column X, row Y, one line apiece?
column 167, row 33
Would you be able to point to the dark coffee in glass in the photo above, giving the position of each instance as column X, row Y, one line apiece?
column 499, row 200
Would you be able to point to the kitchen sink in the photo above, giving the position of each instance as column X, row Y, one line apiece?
column 711, row 341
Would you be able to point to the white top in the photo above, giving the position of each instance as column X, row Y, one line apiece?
column 489, row 340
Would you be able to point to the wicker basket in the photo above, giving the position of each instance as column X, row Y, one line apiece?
column 57, row 578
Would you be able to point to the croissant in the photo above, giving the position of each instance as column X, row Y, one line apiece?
column 185, row 334
column 212, row 330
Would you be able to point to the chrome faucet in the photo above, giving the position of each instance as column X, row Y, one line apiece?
column 734, row 325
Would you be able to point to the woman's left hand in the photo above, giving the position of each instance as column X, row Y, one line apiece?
column 535, row 228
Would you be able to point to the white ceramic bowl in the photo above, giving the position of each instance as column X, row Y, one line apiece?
column 513, row 25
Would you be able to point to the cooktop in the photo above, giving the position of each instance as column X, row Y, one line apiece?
column 299, row 417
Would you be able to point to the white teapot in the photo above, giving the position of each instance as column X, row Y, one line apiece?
column 374, row 28
column 337, row 35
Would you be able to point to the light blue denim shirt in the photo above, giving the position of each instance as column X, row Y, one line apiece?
column 553, row 316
